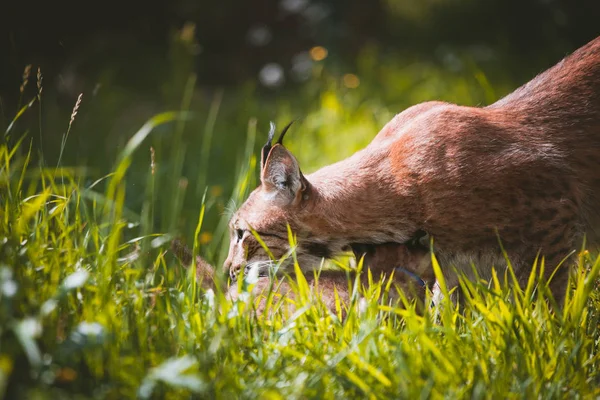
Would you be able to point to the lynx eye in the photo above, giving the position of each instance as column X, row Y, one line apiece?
column 239, row 233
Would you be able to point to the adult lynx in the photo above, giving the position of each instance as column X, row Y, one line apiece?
column 525, row 169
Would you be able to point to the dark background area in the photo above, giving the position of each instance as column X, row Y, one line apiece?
column 85, row 35
column 346, row 67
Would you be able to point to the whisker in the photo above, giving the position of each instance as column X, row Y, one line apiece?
column 230, row 209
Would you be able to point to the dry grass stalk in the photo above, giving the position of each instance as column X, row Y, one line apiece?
column 75, row 109
column 39, row 83
column 26, row 73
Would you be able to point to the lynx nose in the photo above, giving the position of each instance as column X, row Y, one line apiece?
column 234, row 271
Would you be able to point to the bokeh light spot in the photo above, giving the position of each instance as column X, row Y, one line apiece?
column 205, row 237
column 259, row 35
column 318, row 53
column 271, row 75
column 216, row 191
column 351, row 81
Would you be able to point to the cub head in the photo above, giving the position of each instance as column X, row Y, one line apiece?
column 284, row 197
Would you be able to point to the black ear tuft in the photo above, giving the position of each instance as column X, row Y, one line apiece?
column 283, row 132
column 267, row 147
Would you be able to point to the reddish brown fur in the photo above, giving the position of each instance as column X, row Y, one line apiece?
column 525, row 169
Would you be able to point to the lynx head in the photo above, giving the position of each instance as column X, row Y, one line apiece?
column 284, row 197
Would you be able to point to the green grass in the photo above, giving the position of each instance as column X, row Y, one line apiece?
column 93, row 305
column 84, row 313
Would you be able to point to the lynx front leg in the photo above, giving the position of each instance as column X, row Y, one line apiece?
column 558, row 252
column 552, row 232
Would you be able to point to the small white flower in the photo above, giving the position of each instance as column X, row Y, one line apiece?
column 90, row 328
column 210, row 298
column 48, row 306
column 30, row 327
column 362, row 306
column 8, row 288
column 76, row 279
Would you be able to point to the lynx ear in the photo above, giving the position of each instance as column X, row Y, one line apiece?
column 281, row 175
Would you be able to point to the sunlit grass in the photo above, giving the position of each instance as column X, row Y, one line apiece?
column 81, row 313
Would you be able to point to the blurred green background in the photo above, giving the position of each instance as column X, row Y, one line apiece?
column 344, row 67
